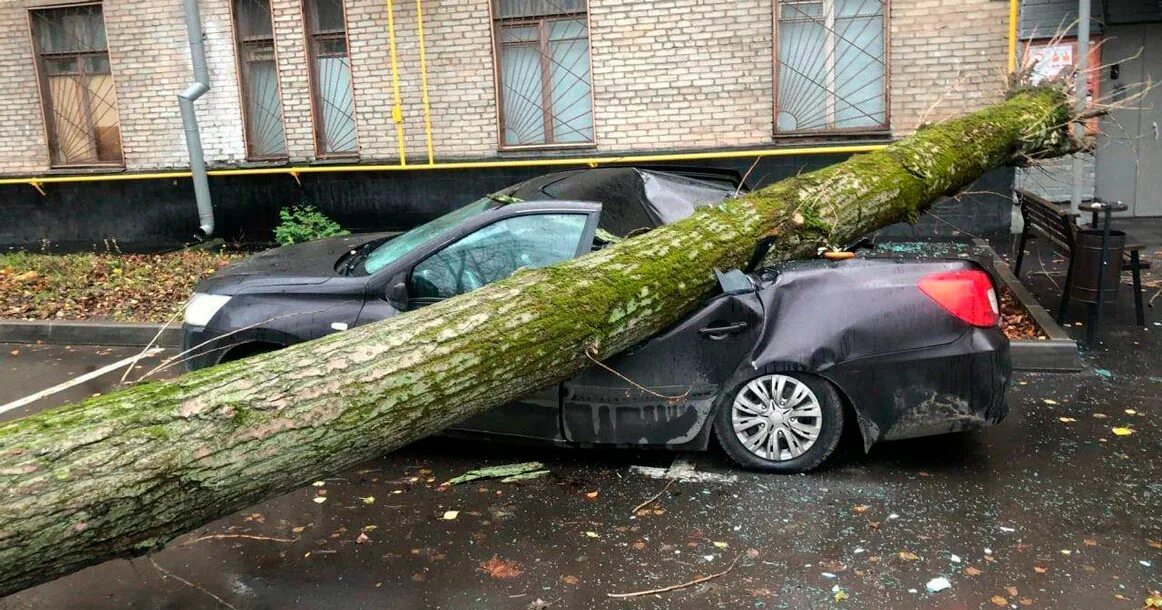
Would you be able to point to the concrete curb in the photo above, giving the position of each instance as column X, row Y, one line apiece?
column 87, row 333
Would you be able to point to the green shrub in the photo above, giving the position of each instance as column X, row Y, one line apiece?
column 302, row 223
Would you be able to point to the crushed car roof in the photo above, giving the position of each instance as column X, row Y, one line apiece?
column 632, row 198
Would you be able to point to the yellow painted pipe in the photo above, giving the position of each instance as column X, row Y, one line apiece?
column 549, row 162
column 1014, row 18
column 424, row 82
column 397, row 106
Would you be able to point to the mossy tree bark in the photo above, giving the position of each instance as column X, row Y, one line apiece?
column 124, row 473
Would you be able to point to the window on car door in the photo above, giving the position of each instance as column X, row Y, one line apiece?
column 494, row 252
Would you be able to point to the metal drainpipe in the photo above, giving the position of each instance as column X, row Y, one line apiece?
column 186, row 100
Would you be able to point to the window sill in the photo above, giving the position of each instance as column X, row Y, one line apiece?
column 546, row 147
column 879, row 134
column 75, row 170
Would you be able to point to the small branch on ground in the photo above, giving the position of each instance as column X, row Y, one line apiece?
column 652, row 498
column 681, row 586
column 242, row 536
column 190, row 584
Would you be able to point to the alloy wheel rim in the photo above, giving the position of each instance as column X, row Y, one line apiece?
column 776, row 417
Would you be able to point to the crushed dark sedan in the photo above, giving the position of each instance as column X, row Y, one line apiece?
column 772, row 364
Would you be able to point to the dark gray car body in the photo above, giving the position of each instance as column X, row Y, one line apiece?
column 905, row 366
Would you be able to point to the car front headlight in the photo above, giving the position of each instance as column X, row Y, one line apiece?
column 202, row 307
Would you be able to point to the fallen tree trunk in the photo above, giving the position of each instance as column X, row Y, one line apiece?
column 124, row 473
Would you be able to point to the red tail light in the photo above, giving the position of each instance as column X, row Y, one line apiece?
column 966, row 294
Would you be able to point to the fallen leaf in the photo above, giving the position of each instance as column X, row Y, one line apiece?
column 908, row 556
column 1131, row 412
column 1012, row 591
column 860, row 509
column 297, row 530
column 1154, row 544
column 1066, row 420
column 840, row 595
column 639, row 545
column 15, row 352
column 1123, row 431
column 1100, row 415
column 1050, row 401
column 538, row 604
column 721, row 545
column 1025, row 601
column 752, row 553
column 971, row 571
column 997, row 600
column 1039, row 569
column 368, row 500
column 319, row 499
column 501, row 569
column 319, row 483
column 592, row 535
column 1154, row 600
column 570, row 580
column 1090, row 542
column 592, row 495
column 361, row 538
column 450, row 515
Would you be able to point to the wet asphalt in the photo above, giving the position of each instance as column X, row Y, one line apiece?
column 1050, row 509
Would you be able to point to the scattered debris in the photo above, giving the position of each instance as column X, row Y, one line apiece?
column 998, row 600
column 908, row 556
column 368, row 500
column 1121, row 431
column 1050, row 401
column 683, row 585
column 938, row 584
column 839, row 594
column 319, row 499
column 451, row 515
column 954, row 559
column 507, row 471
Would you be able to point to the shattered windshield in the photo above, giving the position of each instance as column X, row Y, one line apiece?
column 399, row 247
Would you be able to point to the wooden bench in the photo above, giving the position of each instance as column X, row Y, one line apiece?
column 1059, row 226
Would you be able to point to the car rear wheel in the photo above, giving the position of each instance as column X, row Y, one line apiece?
column 780, row 422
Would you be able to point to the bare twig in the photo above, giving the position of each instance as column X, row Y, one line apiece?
column 147, row 348
column 589, row 352
column 652, row 498
column 191, row 585
column 746, row 175
column 681, row 586
column 243, row 536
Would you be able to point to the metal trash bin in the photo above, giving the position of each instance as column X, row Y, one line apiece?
column 1087, row 260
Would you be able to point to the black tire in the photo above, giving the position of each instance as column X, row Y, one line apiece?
column 831, row 428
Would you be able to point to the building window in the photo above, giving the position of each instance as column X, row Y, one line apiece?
column 830, row 66
column 543, row 71
column 76, row 86
column 332, row 93
column 258, row 72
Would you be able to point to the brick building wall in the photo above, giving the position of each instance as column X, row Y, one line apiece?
column 666, row 75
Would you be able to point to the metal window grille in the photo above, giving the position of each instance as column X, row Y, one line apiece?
column 258, row 72
column 831, row 66
column 332, row 91
column 543, row 72
column 76, row 86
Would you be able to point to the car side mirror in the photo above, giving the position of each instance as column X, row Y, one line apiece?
column 397, row 290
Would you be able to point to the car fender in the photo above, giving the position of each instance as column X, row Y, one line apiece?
column 821, row 315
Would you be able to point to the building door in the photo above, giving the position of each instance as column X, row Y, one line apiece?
column 1129, row 152
column 1149, row 201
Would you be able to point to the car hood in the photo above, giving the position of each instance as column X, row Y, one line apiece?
column 303, row 264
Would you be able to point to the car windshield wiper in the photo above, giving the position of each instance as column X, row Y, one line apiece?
column 354, row 257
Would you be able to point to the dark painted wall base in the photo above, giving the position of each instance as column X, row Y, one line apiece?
column 145, row 215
